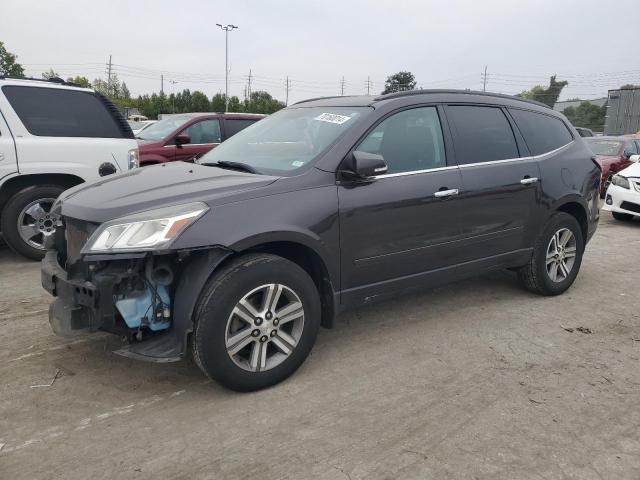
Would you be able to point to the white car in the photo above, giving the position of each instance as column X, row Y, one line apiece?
column 138, row 127
column 623, row 195
column 53, row 136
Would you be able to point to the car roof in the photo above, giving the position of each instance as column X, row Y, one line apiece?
column 437, row 95
column 42, row 83
column 246, row 116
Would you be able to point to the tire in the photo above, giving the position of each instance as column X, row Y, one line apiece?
column 623, row 217
column 535, row 275
column 15, row 208
column 215, row 318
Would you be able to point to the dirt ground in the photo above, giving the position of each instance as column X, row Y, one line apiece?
column 477, row 380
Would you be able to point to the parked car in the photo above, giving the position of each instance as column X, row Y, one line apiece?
column 584, row 132
column 53, row 136
column 138, row 127
column 613, row 154
column 188, row 136
column 623, row 195
column 326, row 204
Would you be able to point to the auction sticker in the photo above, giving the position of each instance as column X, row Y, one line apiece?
column 332, row 118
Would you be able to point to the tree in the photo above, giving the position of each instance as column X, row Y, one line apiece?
column 80, row 81
column 262, row 102
column 8, row 64
column 399, row 82
column 199, row 102
column 217, row 103
column 124, row 91
column 549, row 95
column 629, row 86
column 49, row 74
column 587, row 115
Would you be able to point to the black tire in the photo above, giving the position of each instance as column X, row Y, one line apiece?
column 11, row 213
column 533, row 275
column 623, row 217
column 219, row 297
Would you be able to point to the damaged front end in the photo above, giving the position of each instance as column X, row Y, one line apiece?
column 145, row 297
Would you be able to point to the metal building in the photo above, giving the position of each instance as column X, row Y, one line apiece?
column 623, row 112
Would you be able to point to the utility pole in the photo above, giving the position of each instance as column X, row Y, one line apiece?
column 109, row 77
column 161, row 84
column 249, row 86
column 173, row 91
column 286, row 101
column 484, row 80
column 368, row 85
column 226, row 29
column 342, row 87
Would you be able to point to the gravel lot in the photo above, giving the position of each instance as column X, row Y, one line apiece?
column 477, row 380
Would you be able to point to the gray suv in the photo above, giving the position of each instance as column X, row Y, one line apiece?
column 329, row 203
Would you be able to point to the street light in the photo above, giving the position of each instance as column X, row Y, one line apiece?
column 226, row 29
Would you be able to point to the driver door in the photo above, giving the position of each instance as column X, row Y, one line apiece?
column 204, row 135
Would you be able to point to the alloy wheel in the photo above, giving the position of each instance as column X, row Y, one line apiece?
column 561, row 255
column 36, row 222
column 264, row 327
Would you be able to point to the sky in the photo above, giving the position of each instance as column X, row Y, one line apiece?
column 318, row 43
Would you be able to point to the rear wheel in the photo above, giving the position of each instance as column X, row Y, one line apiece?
column 557, row 256
column 27, row 219
column 256, row 322
column 623, row 217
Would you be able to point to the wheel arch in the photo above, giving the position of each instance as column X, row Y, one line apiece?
column 577, row 210
column 15, row 184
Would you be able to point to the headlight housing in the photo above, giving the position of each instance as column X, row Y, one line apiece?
column 620, row 181
column 133, row 158
column 150, row 230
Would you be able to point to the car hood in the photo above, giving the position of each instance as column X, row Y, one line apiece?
column 159, row 186
column 632, row 170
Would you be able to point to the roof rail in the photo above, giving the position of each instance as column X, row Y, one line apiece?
column 57, row 80
column 408, row 93
column 322, row 98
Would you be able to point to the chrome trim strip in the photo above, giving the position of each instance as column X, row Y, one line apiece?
column 192, row 144
column 467, row 165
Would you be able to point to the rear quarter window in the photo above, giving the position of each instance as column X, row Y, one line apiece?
column 52, row 112
column 542, row 133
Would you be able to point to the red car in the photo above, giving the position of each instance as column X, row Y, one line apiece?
column 613, row 154
column 188, row 136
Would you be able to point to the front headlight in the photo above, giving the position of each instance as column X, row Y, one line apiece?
column 620, row 181
column 148, row 230
column 133, row 159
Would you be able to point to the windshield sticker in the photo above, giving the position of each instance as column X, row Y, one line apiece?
column 297, row 163
column 332, row 118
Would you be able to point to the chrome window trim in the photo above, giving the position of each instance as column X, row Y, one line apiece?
column 193, row 144
column 467, row 165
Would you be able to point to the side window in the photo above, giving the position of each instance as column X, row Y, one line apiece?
column 408, row 141
column 57, row 112
column 542, row 133
column 205, row 131
column 631, row 148
column 233, row 126
column 482, row 134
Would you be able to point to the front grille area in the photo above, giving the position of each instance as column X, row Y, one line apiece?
column 632, row 207
column 77, row 233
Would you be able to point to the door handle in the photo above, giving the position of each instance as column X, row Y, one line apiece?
column 528, row 180
column 446, row 193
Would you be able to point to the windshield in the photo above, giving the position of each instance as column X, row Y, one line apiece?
column 288, row 140
column 601, row 146
column 160, row 130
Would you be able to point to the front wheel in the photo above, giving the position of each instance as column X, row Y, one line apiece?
column 27, row 219
column 256, row 322
column 556, row 258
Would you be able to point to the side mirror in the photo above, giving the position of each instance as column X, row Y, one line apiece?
column 363, row 165
column 182, row 139
column 635, row 158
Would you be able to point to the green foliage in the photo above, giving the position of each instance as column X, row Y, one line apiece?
column 262, row 102
column 629, row 86
column 49, row 74
column 587, row 115
column 200, row 102
column 217, row 103
column 80, row 81
column 399, row 82
column 549, row 95
column 124, row 91
column 8, row 64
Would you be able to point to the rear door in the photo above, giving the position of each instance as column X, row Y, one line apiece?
column 500, row 184
column 8, row 162
column 205, row 135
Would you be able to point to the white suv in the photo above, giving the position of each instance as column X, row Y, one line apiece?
column 53, row 135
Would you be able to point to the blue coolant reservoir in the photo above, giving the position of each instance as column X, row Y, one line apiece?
column 134, row 308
